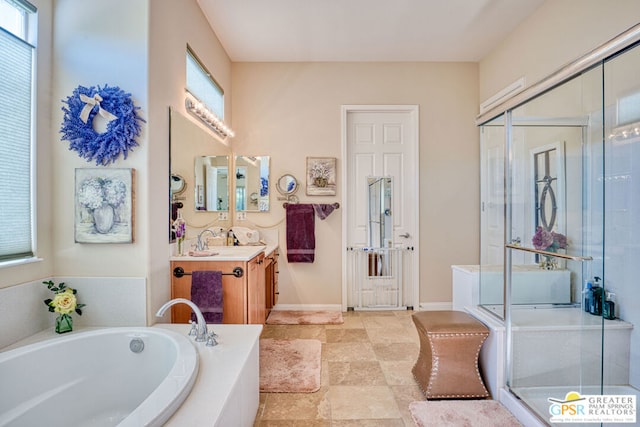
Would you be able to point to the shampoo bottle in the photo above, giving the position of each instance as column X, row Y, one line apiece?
column 588, row 296
column 609, row 307
column 596, row 304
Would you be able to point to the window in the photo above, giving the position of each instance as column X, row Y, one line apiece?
column 16, row 135
column 202, row 86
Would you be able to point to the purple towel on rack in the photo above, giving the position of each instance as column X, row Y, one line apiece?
column 301, row 237
column 206, row 293
column 323, row 210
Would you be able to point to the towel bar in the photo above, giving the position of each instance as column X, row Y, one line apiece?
column 237, row 272
column 285, row 204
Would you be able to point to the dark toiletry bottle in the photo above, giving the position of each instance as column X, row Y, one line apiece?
column 596, row 302
column 588, row 296
column 609, row 307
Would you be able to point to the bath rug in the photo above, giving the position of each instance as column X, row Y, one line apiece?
column 461, row 413
column 295, row 317
column 290, row 366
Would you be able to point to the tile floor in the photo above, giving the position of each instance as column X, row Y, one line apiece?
column 366, row 378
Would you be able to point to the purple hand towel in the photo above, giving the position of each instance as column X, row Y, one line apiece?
column 206, row 293
column 323, row 210
column 301, row 237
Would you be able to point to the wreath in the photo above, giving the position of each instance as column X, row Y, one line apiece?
column 114, row 105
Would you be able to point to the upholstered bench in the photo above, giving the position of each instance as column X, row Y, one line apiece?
column 447, row 366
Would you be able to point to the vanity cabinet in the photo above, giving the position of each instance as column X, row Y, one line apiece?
column 243, row 297
column 271, row 281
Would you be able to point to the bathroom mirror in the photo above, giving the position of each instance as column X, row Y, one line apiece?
column 177, row 185
column 380, row 215
column 189, row 140
column 252, row 183
column 211, row 192
column 287, row 185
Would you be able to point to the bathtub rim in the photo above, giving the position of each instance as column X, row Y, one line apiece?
column 163, row 396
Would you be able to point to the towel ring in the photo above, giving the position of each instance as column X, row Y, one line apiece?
column 237, row 272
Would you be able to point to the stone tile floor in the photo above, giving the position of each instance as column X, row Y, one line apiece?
column 366, row 378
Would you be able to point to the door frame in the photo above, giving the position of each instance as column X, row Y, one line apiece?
column 414, row 115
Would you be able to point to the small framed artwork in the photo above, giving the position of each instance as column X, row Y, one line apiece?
column 321, row 176
column 104, row 205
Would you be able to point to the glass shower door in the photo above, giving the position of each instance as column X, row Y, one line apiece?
column 553, row 224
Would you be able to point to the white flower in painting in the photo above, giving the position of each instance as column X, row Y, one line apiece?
column 94, row 192
column 90, row 194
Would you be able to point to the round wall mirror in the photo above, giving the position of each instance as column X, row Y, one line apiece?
column 287, row 185
column 178, row 184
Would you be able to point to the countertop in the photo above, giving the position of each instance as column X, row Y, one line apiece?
column 230, row 253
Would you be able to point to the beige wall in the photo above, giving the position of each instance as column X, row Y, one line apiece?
column 559, row 32
column 172, row 26
column 292, row 110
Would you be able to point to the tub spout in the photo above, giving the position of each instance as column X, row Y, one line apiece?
column 201, row 334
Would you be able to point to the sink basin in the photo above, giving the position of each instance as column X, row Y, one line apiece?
column 224, row 253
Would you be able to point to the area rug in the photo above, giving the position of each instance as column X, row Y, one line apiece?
column 461, row 413
column 295, row 317
column 290, row 366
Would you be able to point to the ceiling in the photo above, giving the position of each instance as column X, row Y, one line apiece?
column 363, row 30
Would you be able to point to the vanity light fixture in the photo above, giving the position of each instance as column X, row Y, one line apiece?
column 201, row 111
column 624, row 133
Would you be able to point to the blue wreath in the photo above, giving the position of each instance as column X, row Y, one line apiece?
column 121, row 133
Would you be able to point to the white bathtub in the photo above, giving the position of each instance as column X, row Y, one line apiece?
column 93, row 378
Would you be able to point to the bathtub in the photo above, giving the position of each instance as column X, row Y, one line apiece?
column 102, row 377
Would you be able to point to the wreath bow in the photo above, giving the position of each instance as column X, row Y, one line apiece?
column 89, row 103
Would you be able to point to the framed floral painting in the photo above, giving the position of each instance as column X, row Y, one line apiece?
column 321, row 176
column 104, row 202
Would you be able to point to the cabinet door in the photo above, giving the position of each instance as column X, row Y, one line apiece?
column 234, row 295
column 268, row 284
column 275, row 273
column 256, row 297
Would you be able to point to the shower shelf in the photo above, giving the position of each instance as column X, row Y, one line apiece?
column 547, row 253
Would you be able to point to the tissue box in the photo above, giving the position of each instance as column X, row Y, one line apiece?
column 217, row 241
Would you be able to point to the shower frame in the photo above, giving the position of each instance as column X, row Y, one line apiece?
column 502, row 116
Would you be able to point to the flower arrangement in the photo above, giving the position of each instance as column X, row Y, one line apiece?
column 94, row 192
column 550, row 241
column 320, row 172
column 179, row 229
column 102, row 197
column 64, row 303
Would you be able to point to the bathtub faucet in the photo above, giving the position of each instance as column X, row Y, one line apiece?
column 202, row 333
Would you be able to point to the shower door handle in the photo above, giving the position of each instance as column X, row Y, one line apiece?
column 405, row 235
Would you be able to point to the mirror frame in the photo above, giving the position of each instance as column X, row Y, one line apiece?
column 286, row 178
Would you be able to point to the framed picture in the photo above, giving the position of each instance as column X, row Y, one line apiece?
column 321, row 176
column 104, row 202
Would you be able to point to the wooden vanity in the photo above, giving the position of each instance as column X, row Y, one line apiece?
column 247, row 297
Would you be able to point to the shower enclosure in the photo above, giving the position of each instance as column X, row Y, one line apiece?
column 560, row 234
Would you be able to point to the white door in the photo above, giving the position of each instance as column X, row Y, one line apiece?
column 381, row 141
column 492, row 196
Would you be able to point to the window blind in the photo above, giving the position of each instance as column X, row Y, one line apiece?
column 16, row 61
column 203, row 87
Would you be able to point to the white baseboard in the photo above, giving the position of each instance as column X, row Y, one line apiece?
column 434, row 306
column 308, row 307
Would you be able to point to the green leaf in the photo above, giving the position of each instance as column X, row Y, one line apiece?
column 79, row 311
column 48, row 301
column 52, row 309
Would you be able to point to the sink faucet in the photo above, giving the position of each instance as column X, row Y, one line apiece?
column 201, row 245
column 202, row 333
